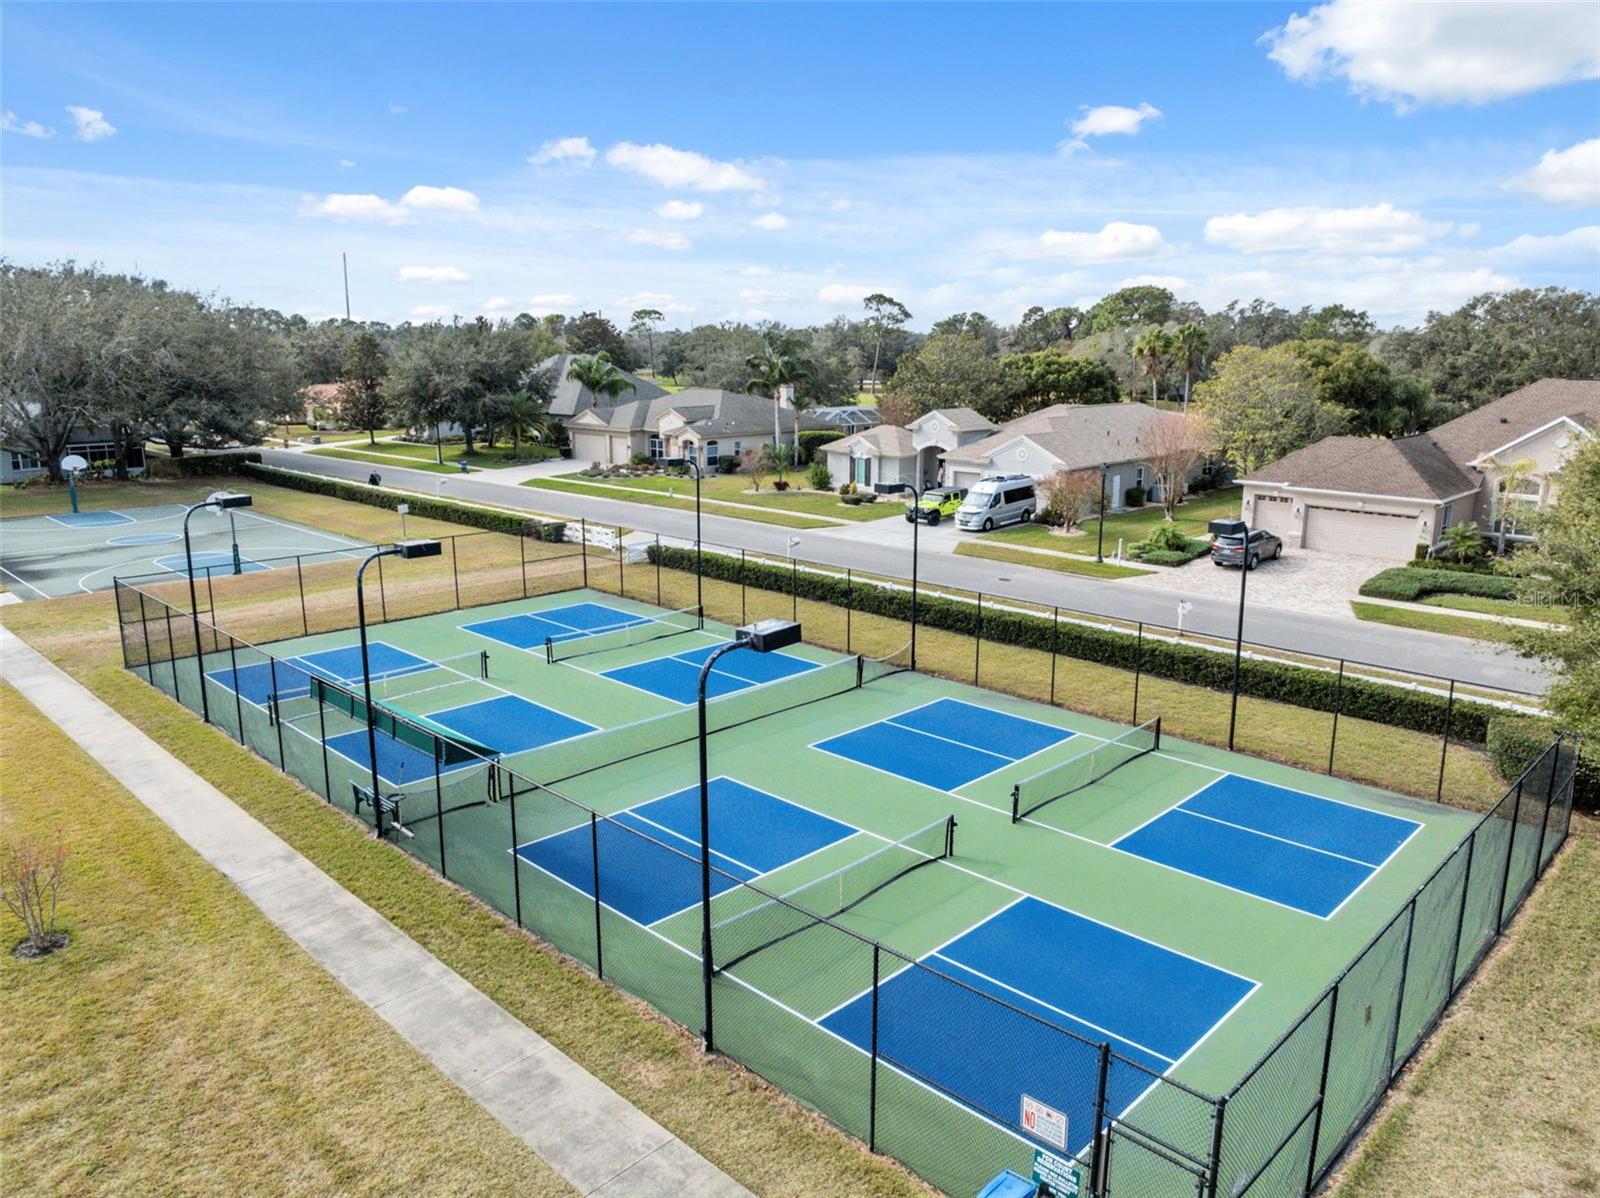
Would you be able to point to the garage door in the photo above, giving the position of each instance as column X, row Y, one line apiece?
column 1362, row 534
column 964, row 478
column 1275, row 513
column 591, row 447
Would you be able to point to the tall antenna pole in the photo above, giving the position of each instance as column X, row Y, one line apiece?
column 345, row 262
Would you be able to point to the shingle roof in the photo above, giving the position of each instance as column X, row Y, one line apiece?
column 963, row 420
column 709, row 412
column 1512, row 416
column 570, row 397
column 884, row 439
column 1412, row 467
column 1078, row 435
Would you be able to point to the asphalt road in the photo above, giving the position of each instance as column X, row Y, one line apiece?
column 1330, row 636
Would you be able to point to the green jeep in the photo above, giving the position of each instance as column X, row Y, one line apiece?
column 936, row 504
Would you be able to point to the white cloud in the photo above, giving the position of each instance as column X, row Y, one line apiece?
column 1408, row 54
column 10, row 124
column 1374, row 229
column 397, row 109
column 554, row 301
column 346, row 163
column 841, row 205
column 662, row 239
column 1570, row 176
column 432, row 274
column 1171, row 282
column 756, row 272
column 1115, row 242
column 763, row 295
column 440, row 199
column 426, row 312
column 681, row 210
column 1391, row 289
column 771, row 220
column 659, row 300
column 1579, row 247
column 355, row 207
column 572, row 150
column 498, row 306
column 682, row 168
column 1109, row 119
column 842, row 295
column 91, row 123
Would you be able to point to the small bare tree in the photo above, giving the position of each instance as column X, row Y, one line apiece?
column 1069, row 497
column 1173, row 446
column 754, row 464
column 30, row 881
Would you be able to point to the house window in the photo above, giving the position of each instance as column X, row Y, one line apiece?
column 861, row 471
column 655, row 446
column 22, row 460
column 691, row 452
column 1447, row 517
column 713, row 454
column 1138, row 477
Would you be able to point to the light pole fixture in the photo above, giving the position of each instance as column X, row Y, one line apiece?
column 1100, row 524
column 764, row 636
column 694, row 465
column 222, row 501
column 406, row 549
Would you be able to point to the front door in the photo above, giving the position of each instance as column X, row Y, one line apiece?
column 1116, row 491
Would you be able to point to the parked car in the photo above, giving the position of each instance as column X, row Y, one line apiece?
column 998, row 499
column 1228, row 544
column 936, row 503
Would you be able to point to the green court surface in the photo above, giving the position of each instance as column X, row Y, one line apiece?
column 1184, row 909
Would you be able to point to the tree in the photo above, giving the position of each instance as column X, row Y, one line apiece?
column 1335, row 322
column 969, row 324
column 1189, row 345
column 754, row 464
column 31, row 873
column 951, row 370
column 1563, row 568
column 596, row 374
column 1068, row 497
column 591, row 333
column 459, row 374
column 1462, row 543
column 1048, row 377
column 1041, row 330
column 1262, row 404
column 1173, row 445
column 1130, row 307
column 361, row 399
column 524, row 415
column 645, row 320
column 1152, row 350
column 776, row 365
column 884, row 314
column 1510, row 508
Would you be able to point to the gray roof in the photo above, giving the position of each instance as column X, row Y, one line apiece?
column 1503, row 420
column 1077, row 435
column 882, row 440
column 709, row 412
column 569, row 397
column 963, row 420
column 1412, row 467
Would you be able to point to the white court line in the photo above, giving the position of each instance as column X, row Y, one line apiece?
column 24, row 582
column 1310, row 848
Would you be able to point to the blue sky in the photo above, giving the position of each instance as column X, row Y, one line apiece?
column 781, row 160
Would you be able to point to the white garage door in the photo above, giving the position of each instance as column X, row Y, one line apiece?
column 591, row 447
column 1275, row 513
column 963, row 478
column 1362, row 534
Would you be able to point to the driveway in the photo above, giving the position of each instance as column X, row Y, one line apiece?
column 1301, row 580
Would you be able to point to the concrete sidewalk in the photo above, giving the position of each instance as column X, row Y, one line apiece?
column 593, row 1137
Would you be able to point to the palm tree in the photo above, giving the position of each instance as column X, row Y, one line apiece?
column 595, row 374
column 1151, row 351
column 770, row 370
column 524, row 415
column 1511, row 475
column 1189, row 343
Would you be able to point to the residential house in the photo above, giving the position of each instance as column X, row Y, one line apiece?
column 97, row 446
column 889, row 458
column 1377, row 498
column 326, row 396
column 569, row 397
column 699, row 423
column 847, row 419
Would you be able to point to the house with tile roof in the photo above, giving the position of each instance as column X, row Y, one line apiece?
column 1376, row 498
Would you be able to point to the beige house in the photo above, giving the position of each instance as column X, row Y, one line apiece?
column 888, row 457
column 699, row 423
column 1376, row 498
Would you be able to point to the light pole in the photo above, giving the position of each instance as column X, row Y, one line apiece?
column 221, row 501
column 1100, row 524
column 1238, row 636
column 699, row 598
column 916, row 544
column 406, row 549
column 764, row 636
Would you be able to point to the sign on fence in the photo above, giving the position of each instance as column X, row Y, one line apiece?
column 1062, row 1177
column 1047, row 1123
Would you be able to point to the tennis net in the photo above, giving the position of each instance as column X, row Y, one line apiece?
column 464, row 668
column 1085, row 769
column 779, row 917
column 619, row 636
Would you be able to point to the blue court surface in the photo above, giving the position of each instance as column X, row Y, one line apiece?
column 399, row 764
column 576, row 620
column 945, row 744
column 1285, row 846
column 147, row 538
column 209, row 563
column 509, row 724
column 651, row 876
column 92, row 519
column 678, row 677
column 254, row 682
column 1050, row 967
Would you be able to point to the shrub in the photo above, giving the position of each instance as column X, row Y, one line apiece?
column 30, row 882
column 201, row 465
column 847, row 488
column 1133, row 497
column 818, row 477
column 811, row 442
column 728, row 464
column 853, row 499
column 1414, row 582
column 1515, row 740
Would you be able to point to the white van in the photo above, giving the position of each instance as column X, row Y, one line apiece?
column 998, row 499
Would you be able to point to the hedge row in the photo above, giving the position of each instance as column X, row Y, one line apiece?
column 201, row 465
column 1197, row 547
column 809, row 442
column 1300, row 686
column 1515, row 740
column 432, row 509
column 1413, row 583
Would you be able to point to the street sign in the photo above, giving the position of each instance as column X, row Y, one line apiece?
column 1060, row 1176
column 1044, row 1122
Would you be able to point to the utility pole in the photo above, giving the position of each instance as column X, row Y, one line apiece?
column 344, row 261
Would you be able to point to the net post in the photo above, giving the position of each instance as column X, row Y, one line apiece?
column 1444, row 747
column 1322, row 1085
column 1097, row 1143
column 950, row 836
column 1215, row 1170
column 549, row 651
column 1549, row 798
column 172, row 654
column 861, row 671
column 455, row 572
column 583, row 548
column 1338, row 706
column 516, row 869
column 383, row 599
column 300, row 577
column 438, row 800
column 872, row 1083
column 1138, row 670
column 1157, row 746
column 1505, row 873
column 594, row 857
column 1400, row 995
column 1055, row 648
column 1016, row 802
column 238, row 703
column 1461, row 910
column 977, row 640
column 274, row 710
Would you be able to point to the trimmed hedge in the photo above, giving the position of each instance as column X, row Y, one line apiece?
column 201, row 465
column 1515, row 740
column 809, row 442
column 1194, row 547
column 1300, row 686
column 433, row 509
column 1413, row 583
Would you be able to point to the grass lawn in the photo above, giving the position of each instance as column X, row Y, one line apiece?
column 1192, row 518
column 182, row 1044
column 761, row 513
column 44, row 498
column 423, row 457
column 1048, row 561
column 1500, row 607
column 330, row 436
column 1427, row 621
column 1506, row 1100
column 735, row 488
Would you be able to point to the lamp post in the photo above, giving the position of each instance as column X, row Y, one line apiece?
column 1238, row 636
column 1100, row 524
column 222, row 501
column 917, row 492
column 406, row 549
column 764, row 636
column 699, row 597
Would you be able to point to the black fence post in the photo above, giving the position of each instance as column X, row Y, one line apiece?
column 211, row 598
column 583, row 528
column 658, row 571
column 1138, row 670
column 1505, row 873
column 438, row 799
column 322, row 741
column 794, row 590
column 172, row 654
column 594, row 856
column 977, row 640
column 1338, row 706
column 1098, row 1144
column 522, row 561
column 238, row 703
column 1444, row 749
column 516, row 871
column 1215, row 1170
column 743, row 583
column 1461, row 910
column 300, row 579
column 622, row 576
column 1322, row 1088
column 872, row 1082
column 1549, row 798
column 849, row 606
column 455, row 572
column 144, row 630
column 1400, row 998
column 272, row 678
column 383, row 599
column 1055, row 649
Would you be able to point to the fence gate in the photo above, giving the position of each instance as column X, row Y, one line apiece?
column 1139, row 1166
